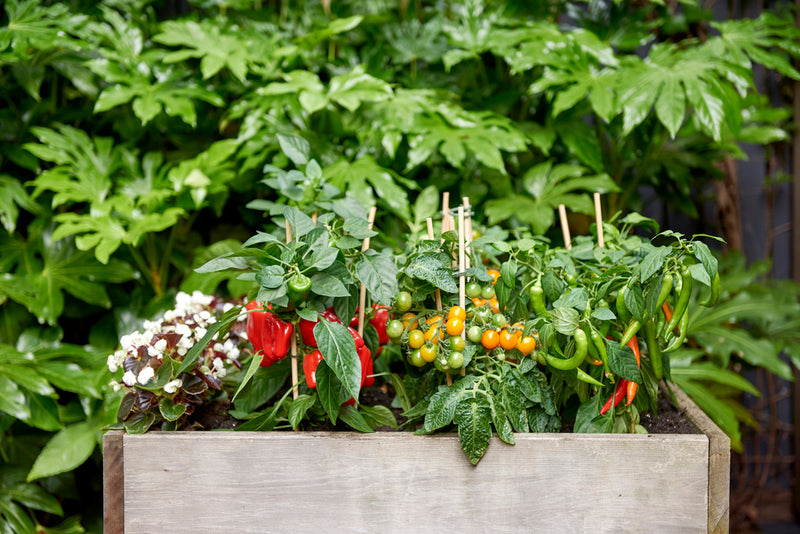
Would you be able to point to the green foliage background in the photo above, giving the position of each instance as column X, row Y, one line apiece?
column 139, row 139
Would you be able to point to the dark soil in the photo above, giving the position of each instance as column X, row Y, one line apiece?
column 214, row 416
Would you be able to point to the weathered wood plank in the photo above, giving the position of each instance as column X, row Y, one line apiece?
column 113, row 484
column 719, row 464
column 273, row 482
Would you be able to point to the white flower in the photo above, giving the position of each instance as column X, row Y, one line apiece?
column 115, row 385
column 183, row 330
column 169, row 315
column 129, row 378
column 201, row 299
column 145, row 375
column 219, row 368
column 228, row 306
column 160, row 345
column 182, row 351
column 127, row 340
column 219, row 347
column 199, row 332
column 205, row 315
column 173, row 386
column 153, row 352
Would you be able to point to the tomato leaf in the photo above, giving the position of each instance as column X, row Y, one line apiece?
column 473, row 416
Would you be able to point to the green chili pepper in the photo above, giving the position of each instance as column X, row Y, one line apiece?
column 666, row 288
column 622, row 311
column 581, row 348
column 536, row 296
column 583, row 376
column 600, row 344
column 633, row 327
column 678, row 341
column 714, row 294
column 683, row 299
column 653, row 348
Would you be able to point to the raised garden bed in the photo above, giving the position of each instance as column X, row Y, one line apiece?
column 349, row 482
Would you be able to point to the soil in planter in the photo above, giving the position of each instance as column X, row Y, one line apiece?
column 214, row 416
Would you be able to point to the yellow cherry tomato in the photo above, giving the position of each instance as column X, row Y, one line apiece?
column 416, row 339
column 407, row 321
column 428, row 352
column 526, row 345
column 456, row 312
column 455, row 327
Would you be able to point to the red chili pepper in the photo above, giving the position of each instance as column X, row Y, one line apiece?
column 631, row 393
column 616, row 398
column 634, row 345
column 310, row 364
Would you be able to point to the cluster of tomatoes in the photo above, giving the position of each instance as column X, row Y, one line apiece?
column 431, row 336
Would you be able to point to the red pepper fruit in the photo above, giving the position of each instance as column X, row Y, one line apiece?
column 634, row 345
column 310, row 364
column 631, row 393
column 307, row 327
column 379, row 319
column 616, row 398
column 269, row 335
column 255, row 324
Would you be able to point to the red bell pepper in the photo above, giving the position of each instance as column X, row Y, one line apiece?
column 307, row 327
column 269, row 335
column 379, row 319
column 310, row 364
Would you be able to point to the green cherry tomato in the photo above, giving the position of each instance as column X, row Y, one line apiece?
column 474, row 333
column 455, row 360
column 487, row 292
column 441, row 364
column 473, row 290
column 499, row 320
column 402, row 301
column 482, row 315
column 415, row 358
column 394, row 328
column 456, row 343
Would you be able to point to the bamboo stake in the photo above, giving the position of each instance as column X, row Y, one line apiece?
column 462, row 277
column 362, row 296
column 467, row 229
column 562, row 212
column 447, row 219
column 293, row 347
column 598, row 215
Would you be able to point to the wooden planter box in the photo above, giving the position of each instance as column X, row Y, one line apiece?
column 397, row 482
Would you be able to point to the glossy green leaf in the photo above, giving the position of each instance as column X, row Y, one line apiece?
column 65, row 451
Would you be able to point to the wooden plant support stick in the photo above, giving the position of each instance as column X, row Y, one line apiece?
column 467, row 229
column 362, row 296
column 293, row 347
column 562, row 213
column 314, row 217
column 430, row 236
column 447, row 219
column 462, row 277
column 598, row 215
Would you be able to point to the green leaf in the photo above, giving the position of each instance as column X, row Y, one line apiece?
column 12, row 399
column 171, row 411
column 709, row 372
column 33, row 496
column 377, row 416
column 565, row 320
column 653, row 262
column 703, row 254
column 339, row 352
column 473, row 418
column 354, row 419
column 671, row 105
column 589, row 421
column 603, row 314
column 329, row 390
column 622, row 361
column 759, row 352
column 433, row 269
column 299, row 408
column 300, row 223
column 65, row 451
column 719, row 412
column 44, row 413
column 295, row 147
column 327, row 285
column 379, row 274
column 442, row 406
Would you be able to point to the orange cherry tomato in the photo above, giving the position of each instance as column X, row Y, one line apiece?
column 478, row 301
column 526, row 345
column 490, row 339
column 508, row 339
column 456, row 312
column 455, row 327
column 494, row 273
column 494, row 304
column 431, row 335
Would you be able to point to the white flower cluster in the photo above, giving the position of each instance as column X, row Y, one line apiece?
column 174, row 334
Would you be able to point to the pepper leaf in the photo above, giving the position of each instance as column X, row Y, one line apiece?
column 622, row 361
column 354, row 419
column 339, row 351
column 299, row 408
column 565, row 320
column 379, row 274
column 329, row 390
